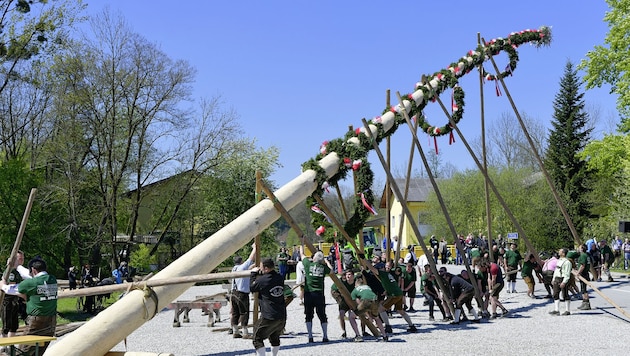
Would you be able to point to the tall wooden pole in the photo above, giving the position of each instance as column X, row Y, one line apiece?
column 18, row 240
column 257, row 243
column 498, row 195
column 554, row 191
column 485, row 157
column 438, row 194
column 406, row 211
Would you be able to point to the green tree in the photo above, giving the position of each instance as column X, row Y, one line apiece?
column 523, row 190
column 567, row 138
column 608, row 160
column 142, row 259
column 608, row 63
column 118, row 98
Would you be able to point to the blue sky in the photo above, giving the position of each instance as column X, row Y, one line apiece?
column 300, row 73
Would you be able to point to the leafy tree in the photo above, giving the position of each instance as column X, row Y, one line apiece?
column 142, row 259
column 567, row 138
column 608, row 64
column 608, row 160
column 26, row 35
column 118, row 97
column 524, row 191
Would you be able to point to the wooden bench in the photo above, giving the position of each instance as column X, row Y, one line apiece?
column 36, row 340
column 209, row 304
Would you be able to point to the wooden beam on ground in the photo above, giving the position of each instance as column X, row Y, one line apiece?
column 601, row 294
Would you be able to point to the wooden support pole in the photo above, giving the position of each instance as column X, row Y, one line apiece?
column 342, row 288
column 343, row 205
column 68, row 293
column 257, row 259
column 606, row 298
column 18, row 240
column 471, row 274
column 406, row 210
column 498, row 195
column 534, row 149
column 406, row 193
column 360, row 250
column 485, row 157
column 388, row 223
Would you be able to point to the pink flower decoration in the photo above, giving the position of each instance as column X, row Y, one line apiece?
column 356, row 164
column 347, row 162
column 320, row 230
column 322, row 148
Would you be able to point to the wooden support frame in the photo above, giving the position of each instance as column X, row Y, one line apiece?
column 342, row 288
column 406, row 210
column 473, row 279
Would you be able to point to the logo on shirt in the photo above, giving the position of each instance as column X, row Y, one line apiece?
column 47, row 291
column 316, row 270
column 277, row 291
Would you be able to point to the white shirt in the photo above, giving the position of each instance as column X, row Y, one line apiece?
column 299, row 273
column 24, row 272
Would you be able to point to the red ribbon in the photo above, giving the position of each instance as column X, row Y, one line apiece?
column 451, row 138
column 496, row 83
column 435, row 144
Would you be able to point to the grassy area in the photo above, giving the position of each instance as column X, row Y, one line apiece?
column 67, row 309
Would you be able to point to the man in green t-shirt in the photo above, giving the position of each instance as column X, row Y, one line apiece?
column 583, row 267
column 367, row 303
column 314, row 301
column 348, row 282
column 607, row 258
column 394, row 295
column 282, row 263
column 431, row 294
column 40, row 293
column 530, row 267
column 513, row 263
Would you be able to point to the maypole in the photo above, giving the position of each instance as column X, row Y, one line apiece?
column 335, row 160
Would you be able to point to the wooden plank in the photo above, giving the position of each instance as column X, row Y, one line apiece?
column 26, row 340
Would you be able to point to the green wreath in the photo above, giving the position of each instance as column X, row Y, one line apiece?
column 354, row 147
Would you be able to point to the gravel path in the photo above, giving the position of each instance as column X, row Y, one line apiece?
column 527, row 330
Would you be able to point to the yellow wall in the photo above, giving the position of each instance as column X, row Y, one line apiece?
column 408, row 236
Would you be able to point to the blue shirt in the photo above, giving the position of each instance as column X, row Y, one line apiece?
column 242, row 284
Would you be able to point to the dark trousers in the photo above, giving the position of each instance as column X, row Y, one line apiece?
column 560, row 293
column 314, row 302
column 240, row 308
column 268, row 329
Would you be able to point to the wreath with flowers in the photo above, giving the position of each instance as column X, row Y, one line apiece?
column 353, row 148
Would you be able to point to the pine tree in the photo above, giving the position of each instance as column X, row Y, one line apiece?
column 568, row 136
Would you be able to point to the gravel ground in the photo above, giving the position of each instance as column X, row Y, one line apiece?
column 527, row 330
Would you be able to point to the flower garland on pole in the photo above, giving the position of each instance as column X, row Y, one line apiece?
column 353, row 148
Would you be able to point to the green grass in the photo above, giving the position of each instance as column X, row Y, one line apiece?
column 67, row 309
